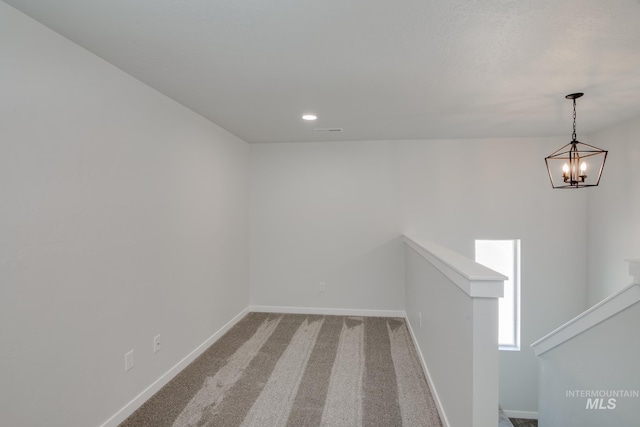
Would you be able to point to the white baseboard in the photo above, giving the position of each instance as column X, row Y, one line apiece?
column 521, row 414
column 434, row 392
column 137, row 401
column 327, row 311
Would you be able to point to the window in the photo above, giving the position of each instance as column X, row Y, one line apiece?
column 503, row 256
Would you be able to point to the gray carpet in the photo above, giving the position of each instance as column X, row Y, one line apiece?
column 291, row 370
column 520, row 422
column 503, row 420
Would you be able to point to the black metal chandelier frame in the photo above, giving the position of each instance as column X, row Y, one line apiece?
column 574, row 155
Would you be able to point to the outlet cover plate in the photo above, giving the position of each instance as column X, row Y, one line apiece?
column 128, row 361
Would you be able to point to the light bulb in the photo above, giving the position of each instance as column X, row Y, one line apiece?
column 583, row 167
column 565, row 168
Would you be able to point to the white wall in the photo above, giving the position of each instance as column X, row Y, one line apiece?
column 603, row 358
column 333, row 212
column 123, row 216
column 325, row 212
column 450, row 360
column 614, row 211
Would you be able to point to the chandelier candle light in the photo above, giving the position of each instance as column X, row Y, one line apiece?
column 579, row 160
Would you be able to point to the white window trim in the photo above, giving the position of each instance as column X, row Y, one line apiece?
column 516, row 295
column 517, row 301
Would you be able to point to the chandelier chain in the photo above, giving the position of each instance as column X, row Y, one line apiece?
column 573, row 136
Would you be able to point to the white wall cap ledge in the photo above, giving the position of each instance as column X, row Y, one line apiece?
column 634, row 269
column 600, row 312
column 474, row 279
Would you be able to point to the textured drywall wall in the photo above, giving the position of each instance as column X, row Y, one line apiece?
column 447, row 351
column 325, row 212
column 614, row 211
column 597, row 367
column 123, row 216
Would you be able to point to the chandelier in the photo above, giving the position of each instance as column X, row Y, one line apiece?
column 576, row 165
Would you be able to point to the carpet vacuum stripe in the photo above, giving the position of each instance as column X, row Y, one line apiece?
column 204, row 404
column 310, row 401
column 274, row 404
column 415, row 407
column 343, row 405
column 293, row 370
column 380, row 405
column 237, row 402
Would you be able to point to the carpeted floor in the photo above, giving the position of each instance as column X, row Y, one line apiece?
column 503, row 420
column 520, row 422
column 299, row 370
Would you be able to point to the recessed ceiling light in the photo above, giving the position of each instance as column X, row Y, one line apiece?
column 309, row 117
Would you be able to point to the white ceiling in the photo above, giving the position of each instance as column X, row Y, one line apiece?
column 379, row 69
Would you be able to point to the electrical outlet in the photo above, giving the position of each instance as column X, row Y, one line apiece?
column 420, row 319
column 156, row 343
column 128, row 361
column 322, row 287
